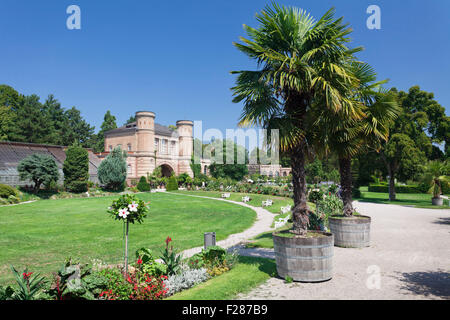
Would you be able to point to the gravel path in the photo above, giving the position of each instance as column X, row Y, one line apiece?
column 264, row 220
column 409, row 255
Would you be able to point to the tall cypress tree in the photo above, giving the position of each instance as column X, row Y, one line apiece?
column 76, row 169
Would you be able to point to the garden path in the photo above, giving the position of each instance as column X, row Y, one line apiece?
column 263, row 223
column 409, row 255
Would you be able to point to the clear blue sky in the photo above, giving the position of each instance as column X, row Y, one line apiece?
column 174, row 57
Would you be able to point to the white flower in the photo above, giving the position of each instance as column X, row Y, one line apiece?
column 133, row 206
column 123, row 213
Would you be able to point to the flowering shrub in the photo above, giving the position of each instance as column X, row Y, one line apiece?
column 330, row 205
column 146, row 287
column 128, row 208
column 185, row 280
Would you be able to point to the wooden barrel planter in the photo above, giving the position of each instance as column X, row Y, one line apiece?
column 350, row 232
column 437, row 201
column 304, row 259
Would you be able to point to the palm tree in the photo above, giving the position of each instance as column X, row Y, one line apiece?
column 347, row 137
column 436, row 176
column 302, row 65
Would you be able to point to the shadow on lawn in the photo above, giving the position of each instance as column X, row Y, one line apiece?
column 264, row 264
column 436, row 283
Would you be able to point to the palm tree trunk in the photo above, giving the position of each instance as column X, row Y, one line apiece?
column 300, row 212
column 345, row 165
column 392, row 194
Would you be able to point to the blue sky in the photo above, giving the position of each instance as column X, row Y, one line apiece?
column 174, row 57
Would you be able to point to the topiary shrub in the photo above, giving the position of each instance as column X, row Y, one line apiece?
column 143, row 185
column 6, row 191
column 172, row 184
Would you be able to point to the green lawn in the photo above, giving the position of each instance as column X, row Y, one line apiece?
column 419, row 200
column 42, row 234
column 246, row 274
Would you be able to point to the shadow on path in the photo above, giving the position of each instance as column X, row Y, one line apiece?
column 445, row 220
column 435, row 283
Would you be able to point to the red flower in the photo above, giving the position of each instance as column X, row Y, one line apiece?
column 27, row 275
column 139, row 261
column 168, row 240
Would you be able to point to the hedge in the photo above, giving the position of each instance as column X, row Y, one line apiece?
column 398, row 189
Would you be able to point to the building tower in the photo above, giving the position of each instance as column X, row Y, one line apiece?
column 186, row 145
column 145, row 135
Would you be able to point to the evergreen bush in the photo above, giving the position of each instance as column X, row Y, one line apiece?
column 112, row 171
column 76, row 169
column 6, row 191
column 172, row 184
column 143, row 185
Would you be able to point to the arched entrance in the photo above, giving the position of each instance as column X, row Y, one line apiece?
column 166, row 170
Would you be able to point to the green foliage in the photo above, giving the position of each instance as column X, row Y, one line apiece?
column 329, row 206
column 76, row 169
column 172, row 184
column 171, row 258
column 214, row 254
column 109, row 123
column 315, row 195
column 75, row 281
column 404, row 158
column 116, row 282
column 39, row 168
column 112, row 171
column 143, row 185
column 6, row 191
column 29, row 285
column 148, row 263
column 315, row 172
column 6, row 293
column 437, row 177
column 237, row 168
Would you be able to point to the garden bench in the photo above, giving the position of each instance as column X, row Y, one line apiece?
column 281, row 222
column 267, row 203
column 225, row 195
column 285, row 209
column 245, row 199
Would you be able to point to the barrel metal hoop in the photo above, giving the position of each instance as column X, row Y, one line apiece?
column 303, row 257
column 344, row 231
column 308, row 247
column 307, row 272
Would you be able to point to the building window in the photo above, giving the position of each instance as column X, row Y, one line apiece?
column 156, row 144
column 110, row 148
column 205, row 168
column 164, row 146
column 172, row 147
column 129, row 147
column 129, row 169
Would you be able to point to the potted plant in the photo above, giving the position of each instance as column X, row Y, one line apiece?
column 436, row 177
column 128, row 209
column 288, row 92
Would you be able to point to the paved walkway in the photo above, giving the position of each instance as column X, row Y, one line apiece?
column 409, row 255
column 264, row 220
